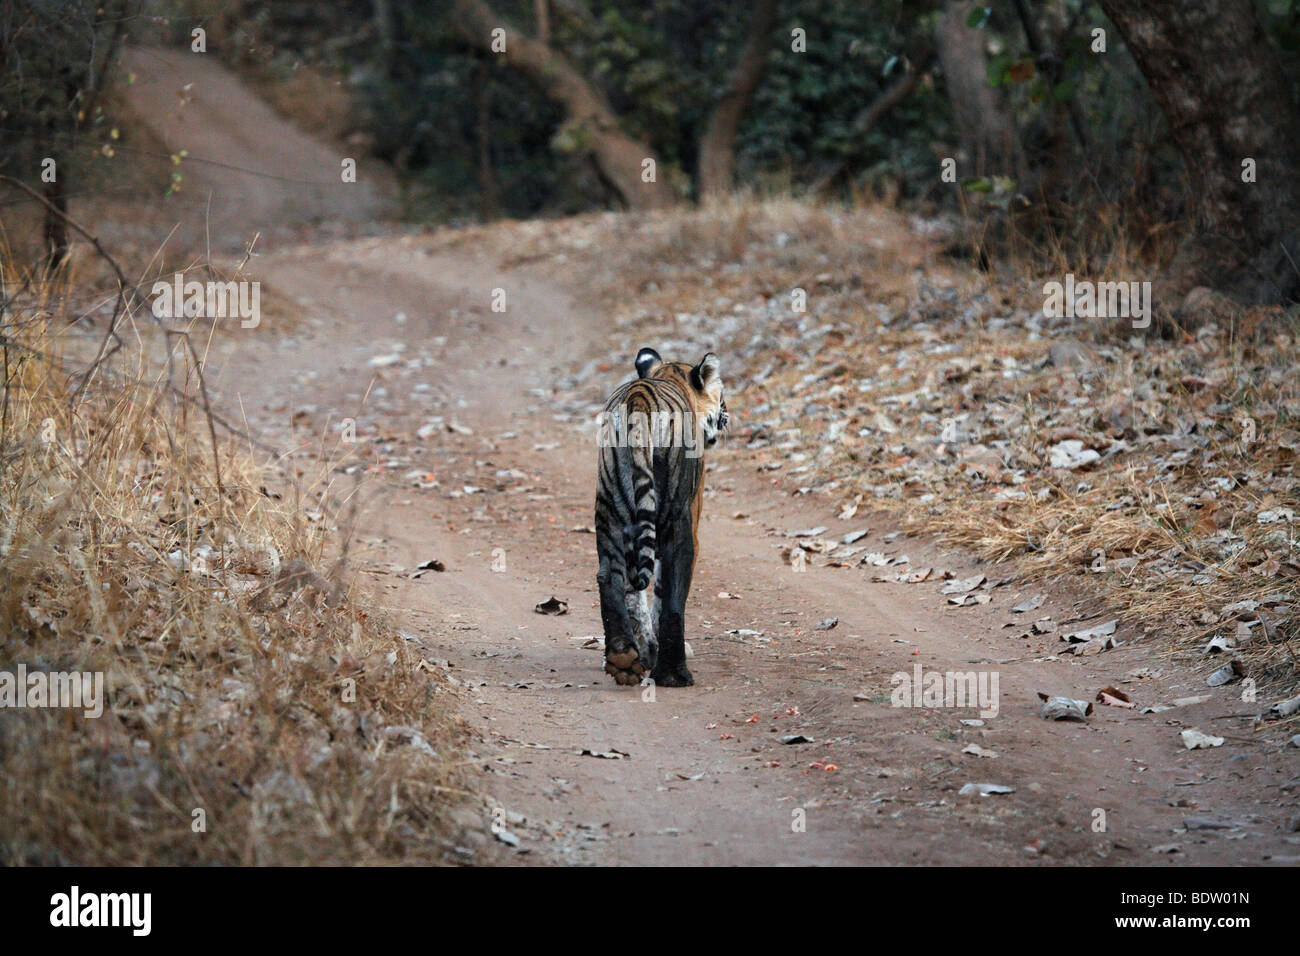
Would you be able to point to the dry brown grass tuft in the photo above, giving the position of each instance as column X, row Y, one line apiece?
column 255, row 711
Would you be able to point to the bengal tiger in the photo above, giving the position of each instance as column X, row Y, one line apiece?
column 650, row 485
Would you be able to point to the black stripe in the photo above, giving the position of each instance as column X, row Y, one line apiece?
column 613, row 481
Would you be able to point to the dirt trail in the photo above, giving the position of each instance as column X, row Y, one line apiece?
column 246, row 170
column 704, row 777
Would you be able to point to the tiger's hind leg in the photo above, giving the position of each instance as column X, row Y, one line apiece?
column 677, row 560
column 622, row 658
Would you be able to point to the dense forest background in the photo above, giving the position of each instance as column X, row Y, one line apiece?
column 877, row 96
column 1040, row 121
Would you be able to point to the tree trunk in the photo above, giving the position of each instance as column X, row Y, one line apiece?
column 988, row 136
column 718, row 145
column 542, row 14
column 386, row 28
column 619, row 157
column 1049, row 65
column 1225, row 96
column 56, row 226
column 487, row 180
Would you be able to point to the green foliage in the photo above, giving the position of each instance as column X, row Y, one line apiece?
column 804, row 111
column 1281, row 19
column 52, row 58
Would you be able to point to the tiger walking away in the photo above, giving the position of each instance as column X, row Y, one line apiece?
column 650, row 485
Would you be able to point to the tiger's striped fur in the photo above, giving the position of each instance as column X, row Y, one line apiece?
column 648, row 496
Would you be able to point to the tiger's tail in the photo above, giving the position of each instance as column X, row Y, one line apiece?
column 640, row 534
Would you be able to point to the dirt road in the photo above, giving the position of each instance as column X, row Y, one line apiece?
column 401, row 338
column 245, row 170
column 473, row 455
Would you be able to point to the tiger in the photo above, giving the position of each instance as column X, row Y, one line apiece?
column 650, row 486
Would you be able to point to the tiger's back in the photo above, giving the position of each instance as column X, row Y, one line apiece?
column 637, row 479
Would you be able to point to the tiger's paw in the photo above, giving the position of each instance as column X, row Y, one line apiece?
column 625, row 665
column 626, row 675
column 672, row 676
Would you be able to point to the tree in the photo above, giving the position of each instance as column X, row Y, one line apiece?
column 718, row 144
column 55, row 58
column 984, row 125
column 1225, row 96
column 623, row 162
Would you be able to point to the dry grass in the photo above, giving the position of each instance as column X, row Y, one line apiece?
column 195, row 580
column 1182, row 520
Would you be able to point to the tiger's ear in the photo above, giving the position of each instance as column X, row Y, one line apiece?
column 647, row 360
column 706, row 376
